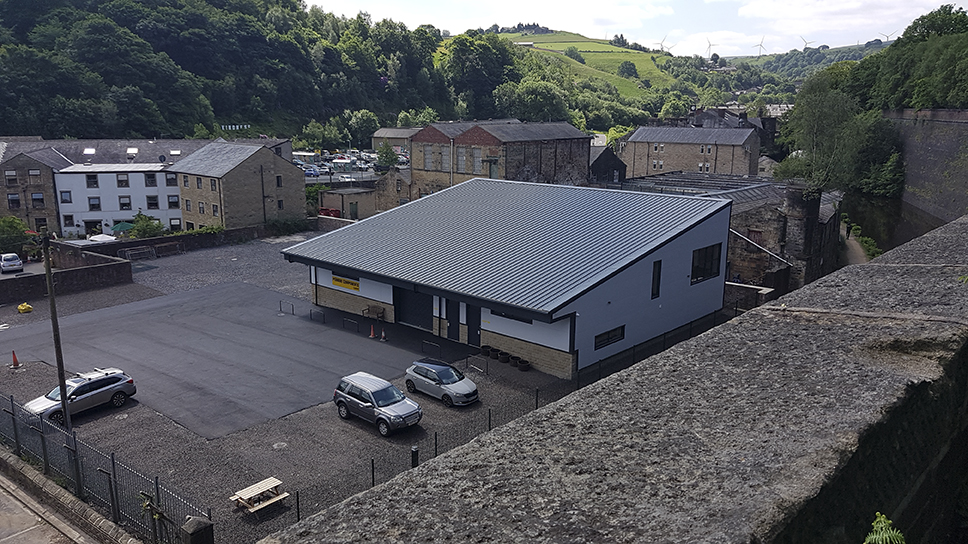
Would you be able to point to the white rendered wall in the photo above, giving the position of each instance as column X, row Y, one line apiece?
column 368, row 288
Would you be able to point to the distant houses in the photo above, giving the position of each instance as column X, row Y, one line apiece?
column 650, row 151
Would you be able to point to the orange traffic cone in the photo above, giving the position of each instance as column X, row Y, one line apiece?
column 16, row 363
column 372, row 332
column 383, row 335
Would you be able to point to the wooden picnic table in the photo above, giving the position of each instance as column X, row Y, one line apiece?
column 259, row 495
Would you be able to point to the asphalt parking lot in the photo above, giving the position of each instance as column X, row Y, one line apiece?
column 235, row 382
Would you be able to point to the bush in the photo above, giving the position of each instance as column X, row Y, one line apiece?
column 870, row 247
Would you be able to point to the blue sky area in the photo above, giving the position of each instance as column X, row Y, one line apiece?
column 734, row 27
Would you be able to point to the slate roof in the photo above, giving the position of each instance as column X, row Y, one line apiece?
column 108, row 151
column 532, row 246
column 215, row 159
column 396, row 132
column 677, row 135
column 107, row 168
column 596, row 151
column 454, row 128
column 530, row 132
column 50, row 157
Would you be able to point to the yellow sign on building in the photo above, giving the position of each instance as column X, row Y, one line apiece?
column 345, row 283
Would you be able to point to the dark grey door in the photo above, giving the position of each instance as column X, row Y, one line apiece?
column 453, row 320
column 414, row 309
column 473, row 318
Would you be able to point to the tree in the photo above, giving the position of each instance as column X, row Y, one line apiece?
column 540, row 101
column 572, row 52
column 146, row 226
column 628, row 69
column 362, row 124
column 943, row 21
column 12, row 234
column 385, row 155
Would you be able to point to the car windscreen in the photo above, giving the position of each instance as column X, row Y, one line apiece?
column 387, row 396
column 449, row 375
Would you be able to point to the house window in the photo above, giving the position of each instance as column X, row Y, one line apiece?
column 656, row 278
column 215, row 182
column 477, row 160
column 94, row 203
column 40, row 224
column 34, row 176
column 445, row 163
column 215, row 210
column 661, row 148
column 91, row 181
column 151, row 180
column 279, row 204
column 173, row 202
column 152, row 201
column 174, row 224
column 201, row 208
column 702, row 149
column 707, row 167
column 185, row 180
column 398, row 186
column 68, row 220
column 700, row 167
column 189, row 225
column 65, row 197
column 462, row 159
column 13, row 201
column 171, row 180
column 660, row 165
column 122, row 180
column 655, row 164
column 278, row 182
column 124, row 202
column 428, row 157
column 655, row 147
column 37, row 200
column 188, row 205
column 198, row 182
column 609, row 337
column 705, row 263
column 404, row 201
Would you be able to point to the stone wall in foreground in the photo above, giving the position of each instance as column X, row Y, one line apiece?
column 793, row 423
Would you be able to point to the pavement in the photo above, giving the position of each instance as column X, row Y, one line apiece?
column 23, row 520
column 852, row 252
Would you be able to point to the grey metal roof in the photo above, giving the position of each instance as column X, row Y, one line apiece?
column 396, row 132
column 530, row 132
column 677, row 135
column 527, row 245
column 215, row 159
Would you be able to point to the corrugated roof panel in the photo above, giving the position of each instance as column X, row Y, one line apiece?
column 529, row 245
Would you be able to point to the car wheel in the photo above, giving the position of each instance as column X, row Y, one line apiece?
column 411, row 387
column 57, row 418
column 448, row 402
column 383, row 427
column 342, row 410
column 118, row 399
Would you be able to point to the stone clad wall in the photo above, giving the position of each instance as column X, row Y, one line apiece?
column 793, row 423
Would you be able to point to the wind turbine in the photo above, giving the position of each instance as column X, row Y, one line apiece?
column 662, row 43
column 709, row 50
column 805, row 43
column 887, row 37
column 760, row 45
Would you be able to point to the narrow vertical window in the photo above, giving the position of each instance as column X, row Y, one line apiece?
column 656, row 278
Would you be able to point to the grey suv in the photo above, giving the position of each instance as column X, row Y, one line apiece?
column 377, row 401
column 84, row 391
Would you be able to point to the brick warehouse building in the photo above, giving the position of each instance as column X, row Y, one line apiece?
column 650, row 151
column 562, row 276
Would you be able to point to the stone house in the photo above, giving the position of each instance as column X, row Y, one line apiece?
column 29, row 187
column 605, row 168
column 649, row 151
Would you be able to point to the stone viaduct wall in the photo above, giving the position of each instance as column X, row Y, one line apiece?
column 795, row 422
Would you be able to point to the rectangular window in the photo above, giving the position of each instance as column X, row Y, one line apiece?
column 13, row 201
column 174, row 224
column 171, row 180
column 122, row 180
column 189, row 225
column 610, row 337
column 68, row 220
column 656, row 278
column 278, row 182
column 662, row 148
column 428, row 157
column 700, row 167
column 173, row 202
column 91, row 181
column 660, row 165
column 655, row 147
column 198, row 182
column 655, row 164
column 707, row 167
column 477, row 160
column 201, row 208
column 279, row 204
column 40, row 224
column 33, row 173
column 185, row 181
column 37, row 200
column 188, row 205
column 215, row 210
column 215, row 183
column 705, row 263
column 94, row 203
column 151, row 180
column 702, row 149
column 445, row 163
column 152, row 202
column 461, row 159
column 124, row 202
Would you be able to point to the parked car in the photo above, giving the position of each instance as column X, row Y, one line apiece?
column 441, row 380
column 346, row 177
column 10, row 262
column 85, row 391
column 375, row 400
column 311, row 171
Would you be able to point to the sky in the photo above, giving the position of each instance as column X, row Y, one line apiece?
column 686, row 27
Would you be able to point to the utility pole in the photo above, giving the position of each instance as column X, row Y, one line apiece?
column 58, row 354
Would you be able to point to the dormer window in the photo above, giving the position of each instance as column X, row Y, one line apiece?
column 89, row 150
column 132, row 151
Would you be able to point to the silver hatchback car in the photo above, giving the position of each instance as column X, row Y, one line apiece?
column 85, row 391
column 377, row 401
column 10, row 262
column 441, row 380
